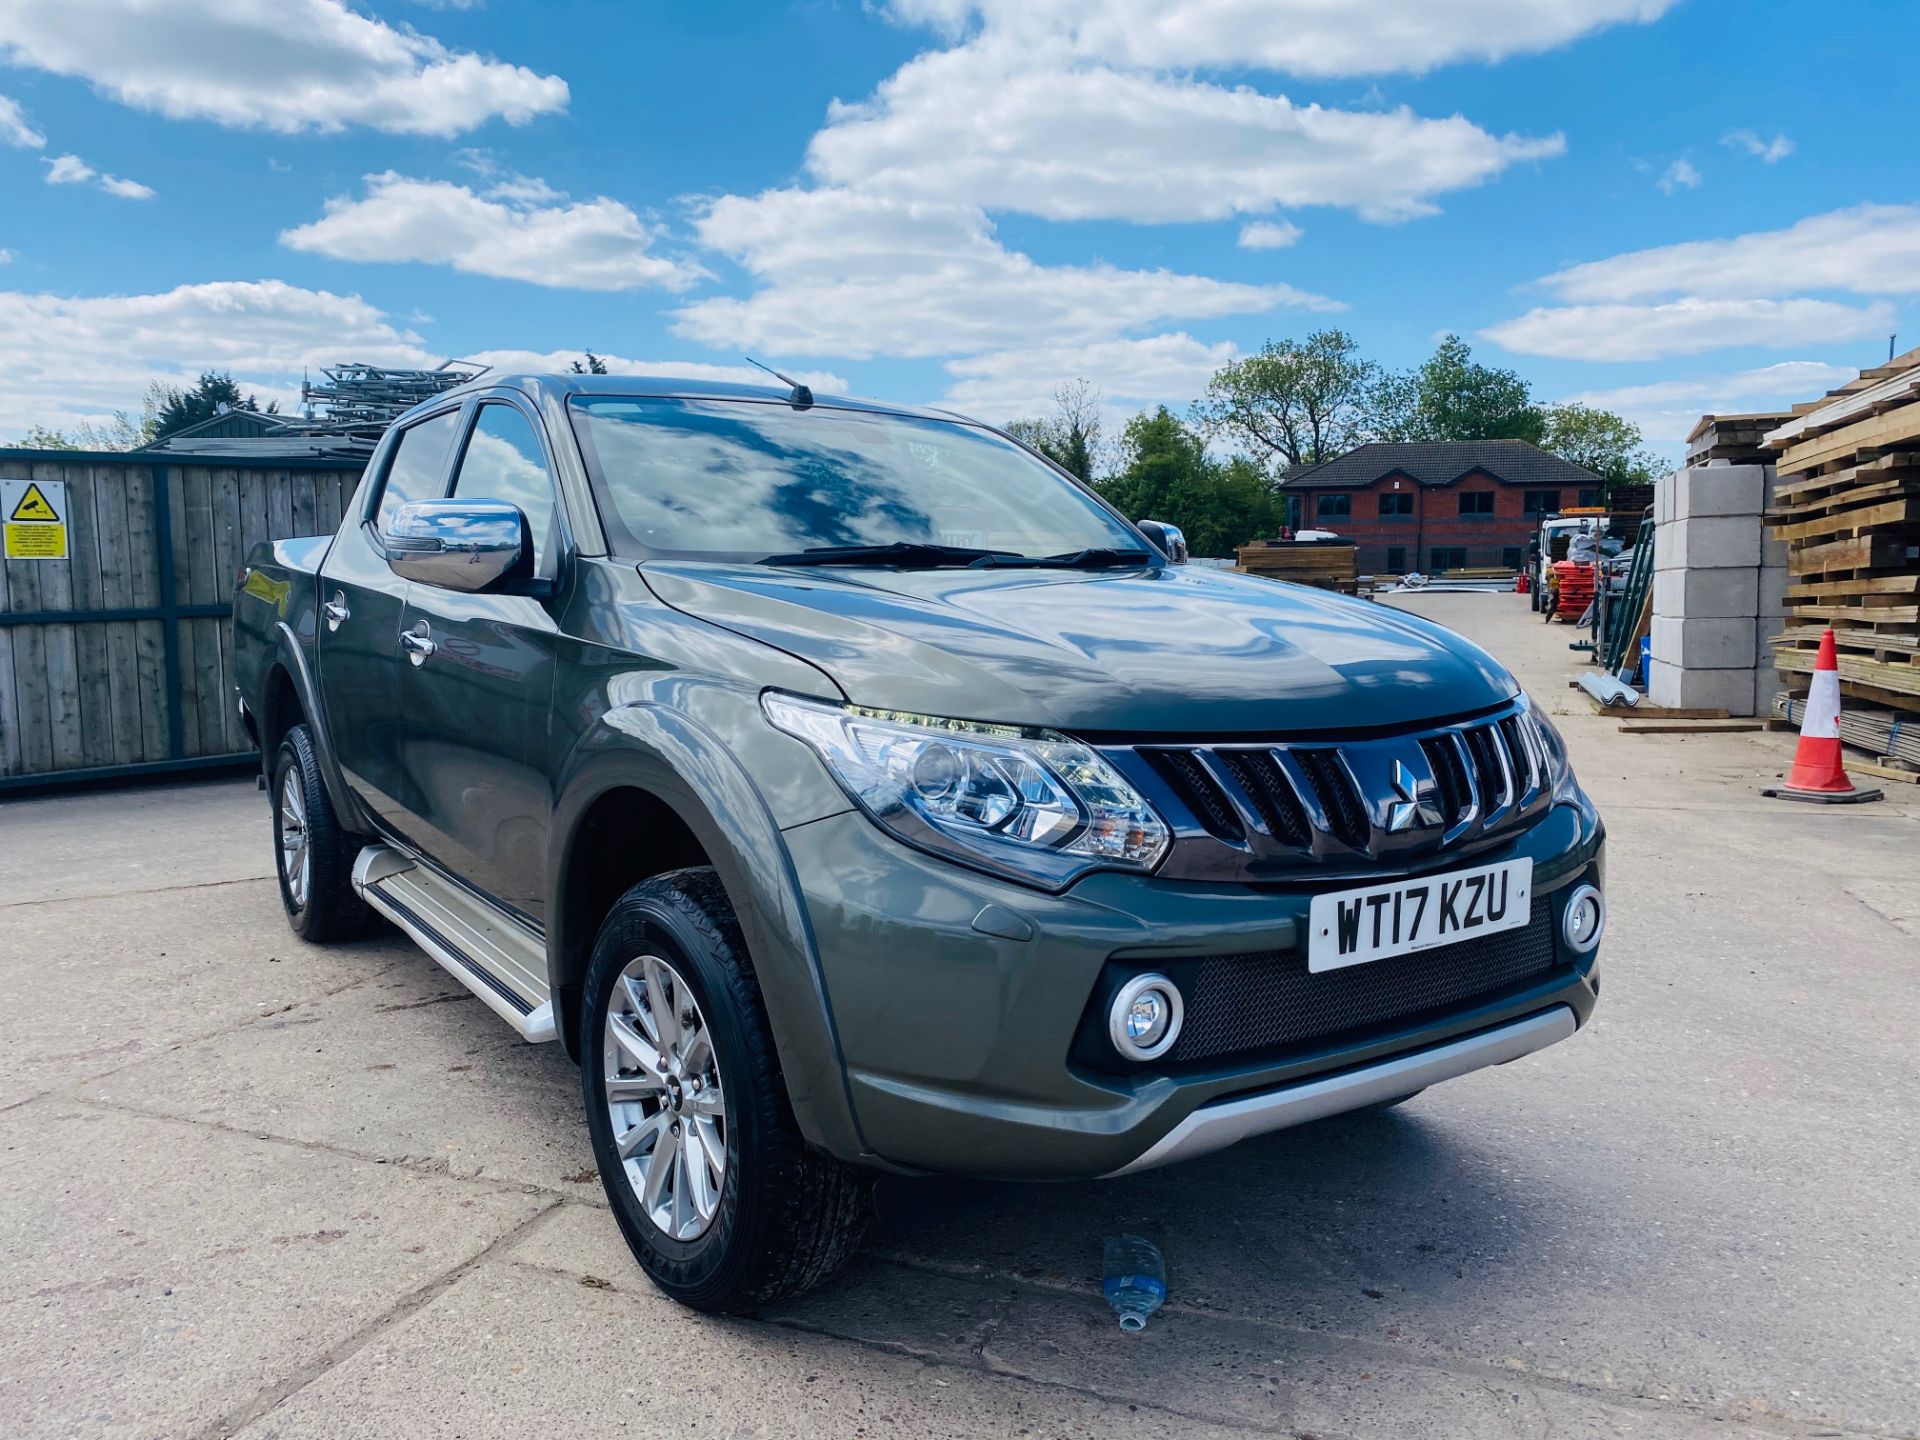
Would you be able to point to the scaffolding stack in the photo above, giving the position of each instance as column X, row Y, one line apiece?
column 362, row 400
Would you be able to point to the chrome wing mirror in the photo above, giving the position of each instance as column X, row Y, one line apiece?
column 465, row 545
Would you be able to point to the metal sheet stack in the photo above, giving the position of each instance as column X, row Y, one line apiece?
column 1847, row 505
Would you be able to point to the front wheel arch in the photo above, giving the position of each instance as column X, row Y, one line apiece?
column 687, row 770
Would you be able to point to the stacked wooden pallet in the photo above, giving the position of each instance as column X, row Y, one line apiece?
column 1328, row 564
column 1736, row 439
column 1847, row 504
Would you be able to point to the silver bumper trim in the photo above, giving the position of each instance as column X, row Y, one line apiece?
column 1214, row 1127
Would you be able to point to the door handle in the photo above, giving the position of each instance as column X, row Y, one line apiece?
column 336, row 611
column 418, row 643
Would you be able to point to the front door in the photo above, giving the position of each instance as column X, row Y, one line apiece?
column 362, row 603
column 478, row 704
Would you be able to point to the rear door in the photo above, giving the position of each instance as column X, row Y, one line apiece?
column 479, row 706
column 362, row 603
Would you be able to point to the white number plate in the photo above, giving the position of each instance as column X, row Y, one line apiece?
column 1351, row 927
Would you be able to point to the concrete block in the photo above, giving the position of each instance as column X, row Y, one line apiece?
column 1704, row 644
column 1708, row 542
column 1764, row 633
column 1771, row 599
column 1728, row 594
column 1665, row 490
column 1729, row 690
column 1720, row 490
column 1766, row 684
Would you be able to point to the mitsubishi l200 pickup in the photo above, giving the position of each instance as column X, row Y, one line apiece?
column 849, row 790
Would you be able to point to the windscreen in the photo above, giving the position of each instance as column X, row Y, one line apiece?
column 738, row 480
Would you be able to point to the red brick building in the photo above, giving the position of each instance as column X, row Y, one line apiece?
column 1438, row 506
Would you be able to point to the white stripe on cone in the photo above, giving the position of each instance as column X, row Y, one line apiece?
column 1822, row 719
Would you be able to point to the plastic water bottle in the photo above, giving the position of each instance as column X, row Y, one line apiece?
column 1135, row 1279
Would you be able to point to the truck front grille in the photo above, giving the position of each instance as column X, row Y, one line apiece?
column 1245, row 810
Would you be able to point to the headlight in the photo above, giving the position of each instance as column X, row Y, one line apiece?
column 1559, row 777
column 1030, row 804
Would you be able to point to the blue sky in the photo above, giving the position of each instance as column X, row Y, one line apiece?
column 1667, row 206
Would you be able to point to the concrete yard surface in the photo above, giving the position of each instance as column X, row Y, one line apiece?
column 252, row 1187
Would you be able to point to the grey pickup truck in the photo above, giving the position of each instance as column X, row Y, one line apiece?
column 849, row 790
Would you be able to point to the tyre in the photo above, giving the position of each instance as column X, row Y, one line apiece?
column 723, row 1203
column 314, row 854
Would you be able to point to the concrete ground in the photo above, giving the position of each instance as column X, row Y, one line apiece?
column 252, row 1187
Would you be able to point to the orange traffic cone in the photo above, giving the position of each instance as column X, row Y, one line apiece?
column 1817, row 774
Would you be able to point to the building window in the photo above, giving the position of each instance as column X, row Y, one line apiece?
column 1589, row 497
column 1396, row 502
column 1476, row 502
column 1542, row 502
column 1448, row 557
column 1396, row 559
column 1510, row 557
column 1333, row 507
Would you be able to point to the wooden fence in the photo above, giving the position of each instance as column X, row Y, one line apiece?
column 118, row 658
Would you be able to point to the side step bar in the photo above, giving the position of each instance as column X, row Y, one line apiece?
column 494, row 956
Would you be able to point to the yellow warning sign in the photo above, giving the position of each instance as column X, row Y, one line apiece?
column 36, row 542
column 34, row 505
column 35, row 516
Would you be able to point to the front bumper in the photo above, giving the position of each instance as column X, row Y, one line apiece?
column 960, row 999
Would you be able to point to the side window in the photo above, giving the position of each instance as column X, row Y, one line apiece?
column 419, row 465
column 504, row 462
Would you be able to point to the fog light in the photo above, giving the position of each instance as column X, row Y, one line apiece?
column 1145, row 1018
column 1585, row 919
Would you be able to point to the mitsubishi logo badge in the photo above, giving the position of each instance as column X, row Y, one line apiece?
column 1418, row 803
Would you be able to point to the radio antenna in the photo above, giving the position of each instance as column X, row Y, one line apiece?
column 800, row 397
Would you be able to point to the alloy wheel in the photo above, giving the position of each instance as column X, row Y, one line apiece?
column 665, row 1098
column 296, row 858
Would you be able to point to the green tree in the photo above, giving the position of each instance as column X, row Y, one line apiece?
column 1070, row 436
column 1605, row 443
column 1452, row 397
column 209, row 396
column 1296, row 402
column 1167, row 475
column 120, row 431
column 589, row 364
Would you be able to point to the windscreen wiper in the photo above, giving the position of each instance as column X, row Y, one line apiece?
column 1098, row 558
column 913, row 554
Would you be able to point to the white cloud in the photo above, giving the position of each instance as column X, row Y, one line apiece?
column 1302, row 37
column 68, row 170
column 1865, row 250
column 1159, row 369
column 844, row 272
column 284, row 65
column 125, row 189
column 1771, row 151
column 1687, row 326
column 65, row 359
column 6, row 257
column 1667, row 410
column 553, row 362
column 1682, row 174
column 72, row 170
column 15, row 128
column 1269, row 234
column 509, row 232
column 1004, row 128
